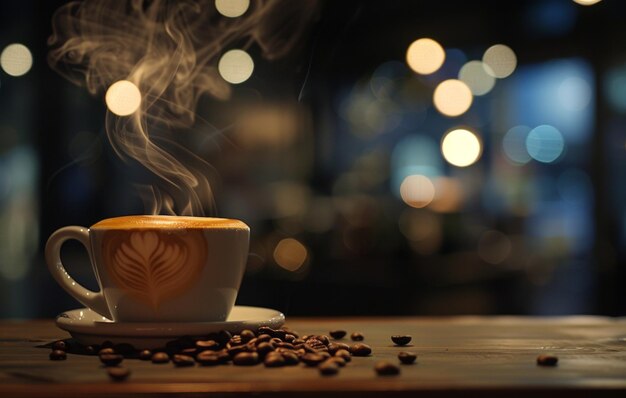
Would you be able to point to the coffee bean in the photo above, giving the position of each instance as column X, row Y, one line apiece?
column 275, row 340
column 145, row 355
column 58, row 355
column 247, row 335
column 265, row 330
column 360, row 350
column 344, row 354
column 328, row 368
column 111, row 359
column 315, row 345
column 209, row 358
column 236, row 340
column 106, row 351
column 223, row 356
column 323, row 339
column 274, row 360
column 285, row 345
column 291, row 358
column 264, row 348
column 289, row 338
column 222, row 337
column 210, row 345
column 262, row 338
column 233, row 351
column 339, row 361
column 384, row 368
column 160, row 357
column 246, row 359
column 60, row 345
column 401, row 340
column 356, row 336
column 407, row 358
column 297, row 341
column 91, row 350
column 279, row 334
column 311, row 359
column 337, row 334
column 118, row 373
column 547, row 360
column 191, row 352
column 334, row 347
column 181, row 360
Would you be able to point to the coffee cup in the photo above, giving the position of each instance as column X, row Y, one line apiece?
column 157, row 268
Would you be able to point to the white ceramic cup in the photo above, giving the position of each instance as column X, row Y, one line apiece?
column 158, row 268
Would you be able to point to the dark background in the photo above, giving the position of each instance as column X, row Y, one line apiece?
column 311, row 174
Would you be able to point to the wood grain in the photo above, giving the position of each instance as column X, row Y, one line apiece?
column 459, row 356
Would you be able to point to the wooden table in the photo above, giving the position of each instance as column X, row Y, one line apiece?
column 459, row 356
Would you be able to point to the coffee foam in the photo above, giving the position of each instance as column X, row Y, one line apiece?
column 168, row 222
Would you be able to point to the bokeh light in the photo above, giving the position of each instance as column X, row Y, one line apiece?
column 478, row 76
column 494, row 247
column 514, row 144
column 232, row 8
column 290, row 254
column 123, row 98
column 235, row 66
column 417, row 191
column 586, row 2
column 452, row 97
column 545, row 143
column 425, row 56
column 501, row 60
column 574, row 94
column 16, row 59
column 615, row 88
column 461, row 147
column 448, row 195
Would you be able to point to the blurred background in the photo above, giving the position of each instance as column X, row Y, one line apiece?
column 403, row 158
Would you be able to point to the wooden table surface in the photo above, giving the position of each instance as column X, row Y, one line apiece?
column 458, row 356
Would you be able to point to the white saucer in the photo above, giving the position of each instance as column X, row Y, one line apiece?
column 88, row 327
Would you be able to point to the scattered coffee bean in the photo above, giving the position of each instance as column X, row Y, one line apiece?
column 246, row 359
column 208, row 358
column 356, row 336
column 315, row 345
column 407, row 358
column 360, row 350
column 328, row 368
column 58, row 355
column 337, row 334
column 274, row 360
column 111, row 359
column 247, row 335
column 145, row 355
column 118, row 373
column 334, row 347
column 106, row 351
column 547, row 360
column 312, row 359
column 59, row 345
column 339, row 361
column 384, row 368
column 290, row 358
column 344, row 354
column 401, row 340
column 181, row 360
column 160, row 357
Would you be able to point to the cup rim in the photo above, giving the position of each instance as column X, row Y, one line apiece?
column 145, row 221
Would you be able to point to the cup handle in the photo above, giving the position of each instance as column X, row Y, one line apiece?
column 93, row 300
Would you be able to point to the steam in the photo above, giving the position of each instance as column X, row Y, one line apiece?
column 169, row 50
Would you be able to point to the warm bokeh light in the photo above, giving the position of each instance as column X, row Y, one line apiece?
column 586, row 2
column 417, row 191
column 545, row 143
column 501, row 60
column 461, row 147
column 448, row 195
column 514, row 144
column 494, row 247
column 425, row 56
column 232, row 8
column 16, row 59
column 123, row 98
column 452, row 97
column 290, row 254
column 478, row 76
column 235, row 66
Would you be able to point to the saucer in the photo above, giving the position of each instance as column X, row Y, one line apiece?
column 88, row 327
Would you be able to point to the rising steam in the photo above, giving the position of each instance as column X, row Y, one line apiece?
column 169, row 50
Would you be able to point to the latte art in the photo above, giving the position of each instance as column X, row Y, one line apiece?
column 154, row 265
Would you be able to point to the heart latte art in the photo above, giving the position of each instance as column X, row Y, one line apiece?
column 154, row 265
